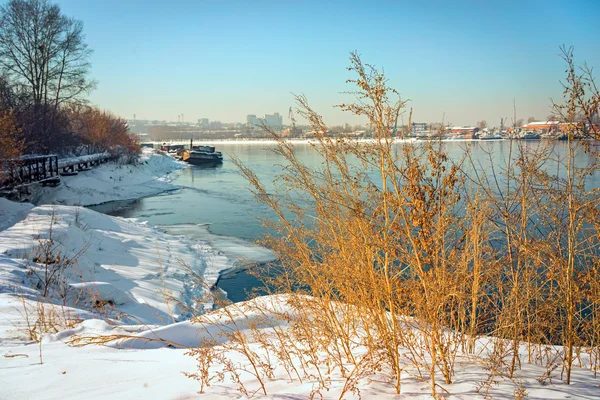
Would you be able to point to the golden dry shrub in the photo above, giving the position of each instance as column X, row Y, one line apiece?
column 11, row 143
column 101, row 130
column 422, row 258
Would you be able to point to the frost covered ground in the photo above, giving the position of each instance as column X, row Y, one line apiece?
column 11, row 212
column 113, row 181
column 133, row 275
column 132, row 287
column 129, row 266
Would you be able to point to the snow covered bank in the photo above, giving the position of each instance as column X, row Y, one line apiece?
column 242, row 252
column 112, row 181
column 11, row 212
column 145, row 365
column 129, row 264
column 129, row 288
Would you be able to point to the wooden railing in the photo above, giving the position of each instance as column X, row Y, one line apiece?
column 29, row 169
column 45, row 169
column 70, row 166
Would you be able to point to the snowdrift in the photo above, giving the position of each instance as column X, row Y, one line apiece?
column 113, row 181
column 140, row 270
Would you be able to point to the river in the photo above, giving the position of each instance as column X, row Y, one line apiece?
column 215, row 204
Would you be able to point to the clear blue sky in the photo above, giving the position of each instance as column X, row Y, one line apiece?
column 225, row 59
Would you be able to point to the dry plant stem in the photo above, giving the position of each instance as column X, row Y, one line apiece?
column 418, row 259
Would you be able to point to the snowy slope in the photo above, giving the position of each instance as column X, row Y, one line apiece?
column 11, row 212
column 135, row 368
column 112, row 181
column 124, row 261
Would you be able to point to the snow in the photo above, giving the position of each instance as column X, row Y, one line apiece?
column 146, row 337
column 94, row 373
column 125, row 262
column 113, row 181
column 11, row 212
column 63, row 162
column 149, row 364
column 242, row 252
column 542, row 123
column 130, row 293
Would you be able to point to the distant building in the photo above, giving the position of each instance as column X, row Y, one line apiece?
column 274, row 120
column 556, row 128
column 203, row 122
column 545, row 126
column 418, row 127
column 253, row 122
column 215, row 125
column 464, row 130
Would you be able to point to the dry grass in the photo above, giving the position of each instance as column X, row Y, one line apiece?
column 395, row 230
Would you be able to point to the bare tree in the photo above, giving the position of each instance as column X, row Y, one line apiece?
column 531, row 119
column 482, row 124
column 44, row 57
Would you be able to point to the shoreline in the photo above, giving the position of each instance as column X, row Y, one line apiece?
column 251, row 255
column 105, row 243
column 175, row 188
column 267, row 141
column 263, row 141
column 113, row 182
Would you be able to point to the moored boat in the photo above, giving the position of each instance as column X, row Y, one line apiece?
column 490, row 136
column 203, row 155
column 528, row 135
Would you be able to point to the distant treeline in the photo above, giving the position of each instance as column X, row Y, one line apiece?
column 44, row 68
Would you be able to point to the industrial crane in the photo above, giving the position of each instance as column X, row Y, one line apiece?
column 294, row 130
column 291, row 116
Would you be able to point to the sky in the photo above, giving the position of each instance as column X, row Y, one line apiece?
column 460, row 61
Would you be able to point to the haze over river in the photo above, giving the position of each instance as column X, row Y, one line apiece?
column 215, row 204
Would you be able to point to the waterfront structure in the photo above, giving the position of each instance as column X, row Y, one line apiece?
column 464, row 132
column 419, row 127
column 550, row 129
column 546, row 127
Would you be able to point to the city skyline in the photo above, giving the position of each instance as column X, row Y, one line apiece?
column 466, row 62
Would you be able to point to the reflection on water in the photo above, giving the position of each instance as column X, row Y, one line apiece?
column 218, row 195
column 119, row 208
